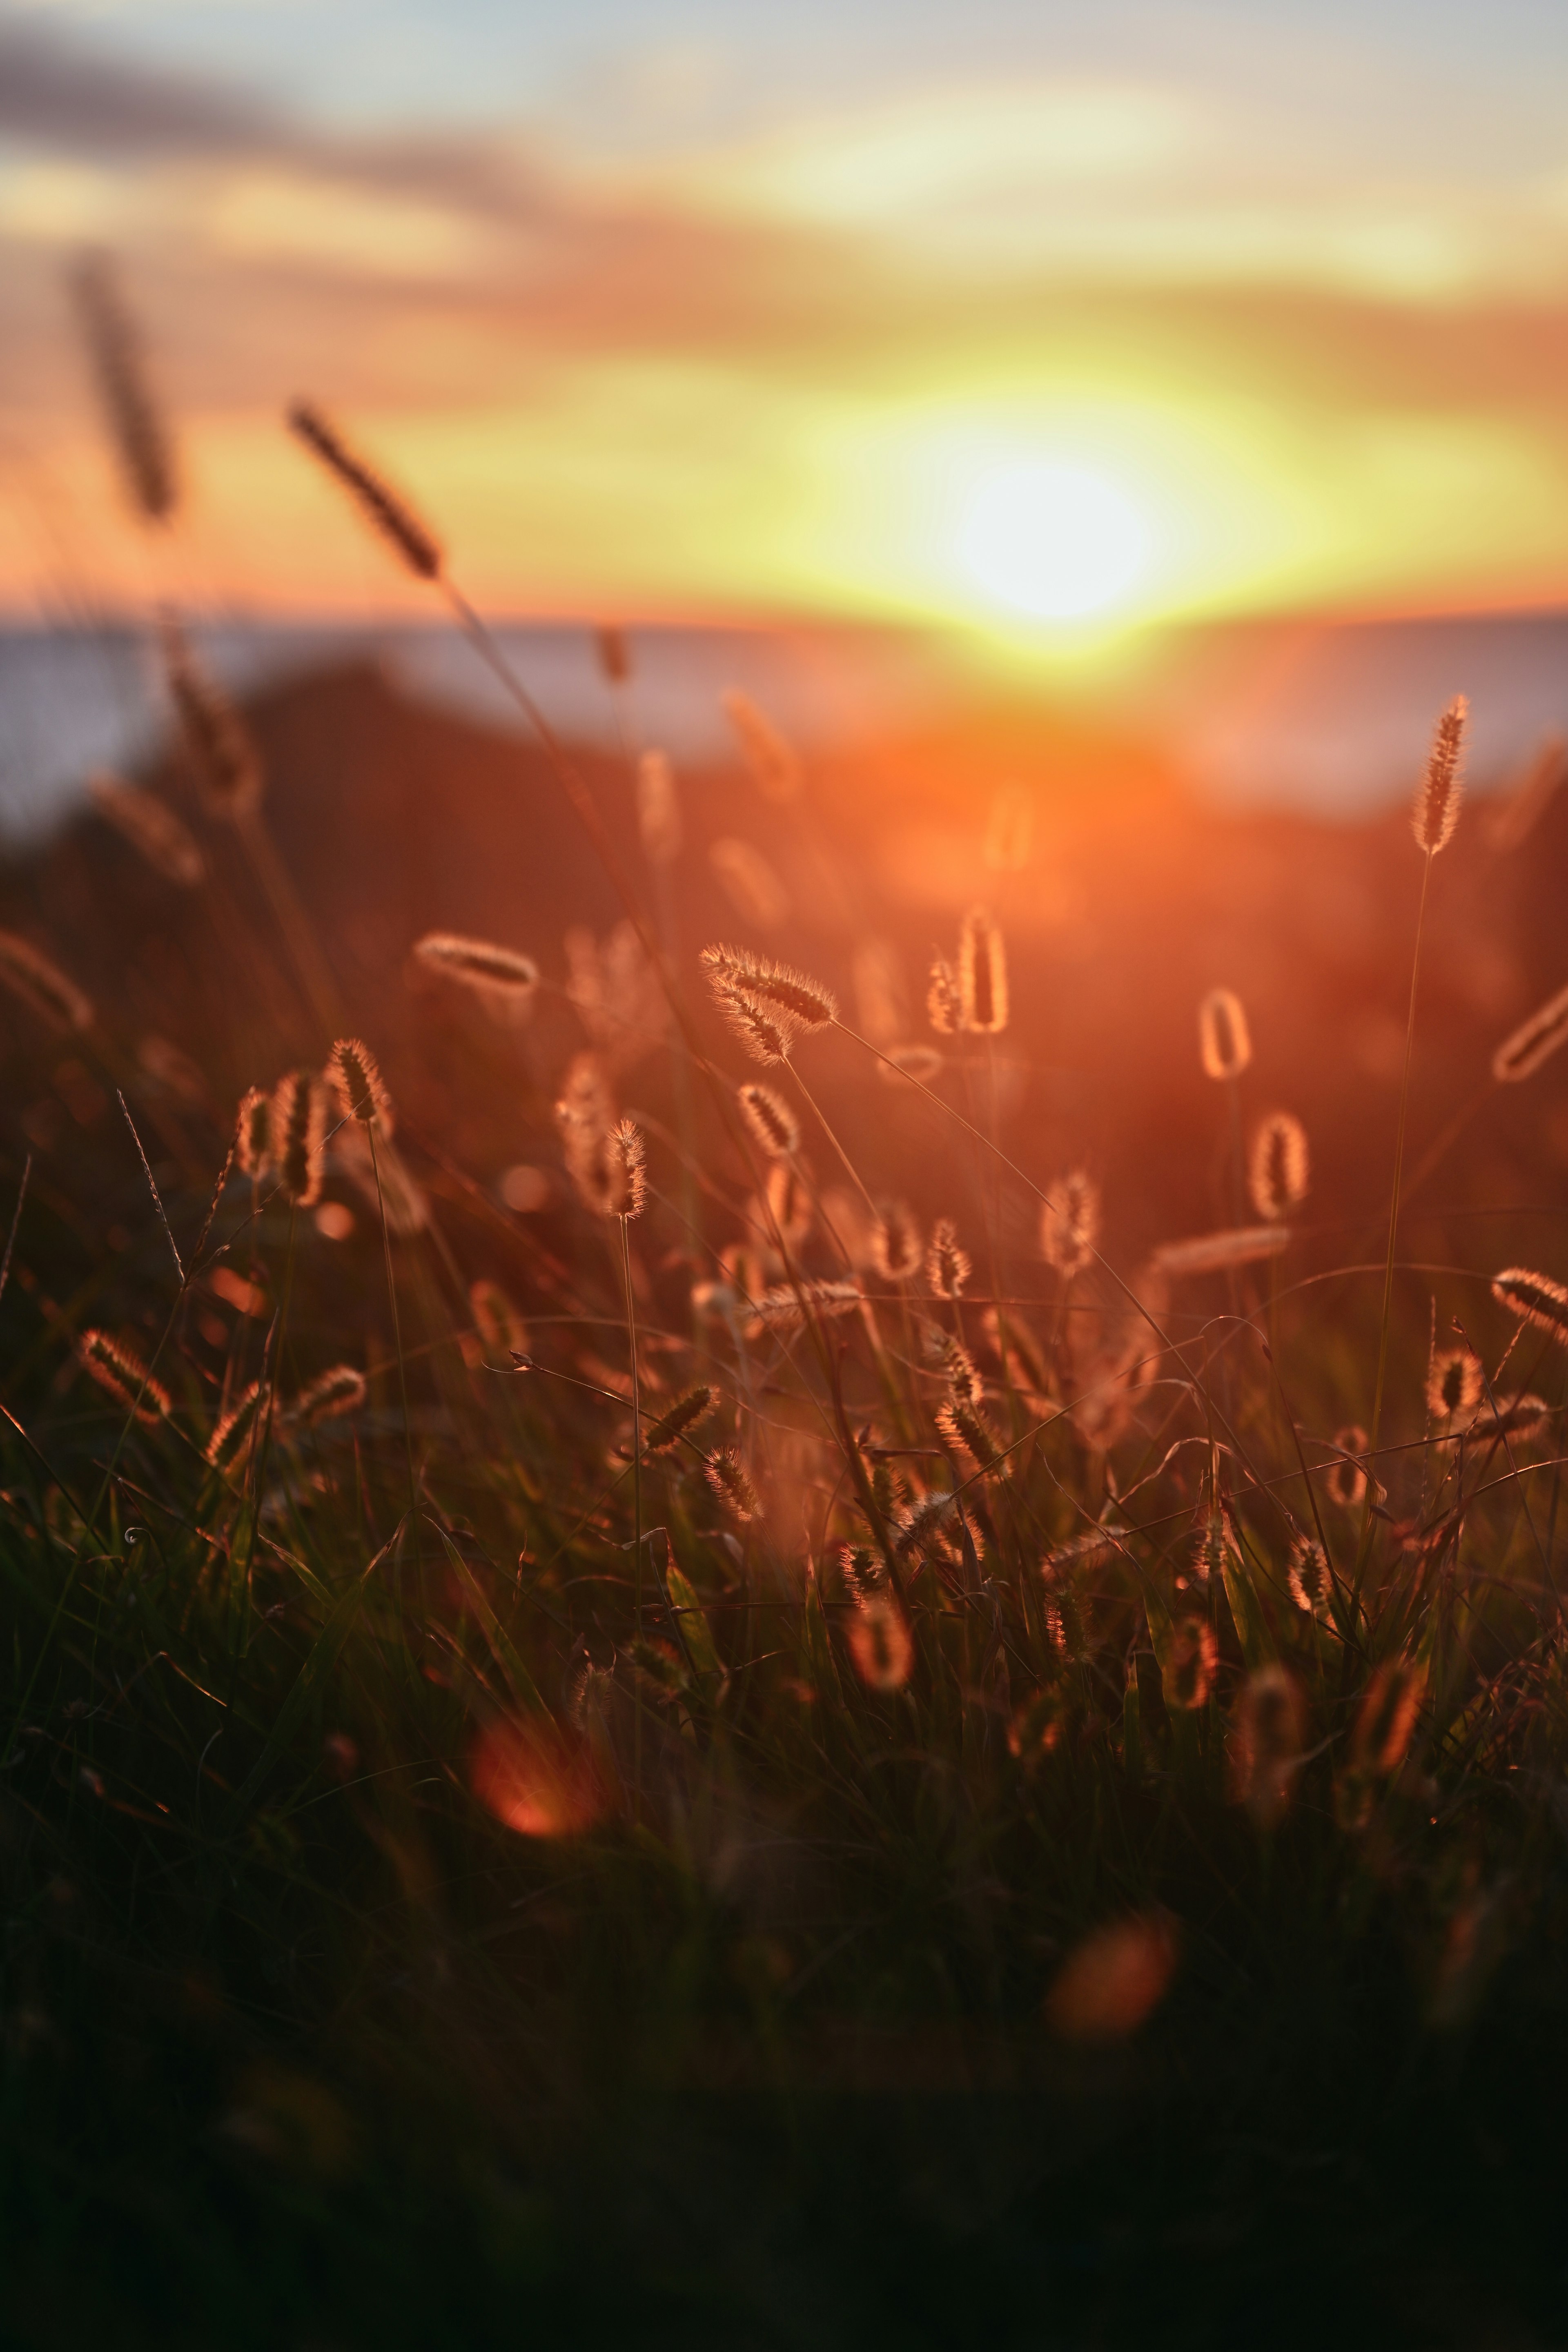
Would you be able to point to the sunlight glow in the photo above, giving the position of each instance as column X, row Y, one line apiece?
column 1052, row 540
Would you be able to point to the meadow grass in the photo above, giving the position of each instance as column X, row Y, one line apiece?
column 816, row 1782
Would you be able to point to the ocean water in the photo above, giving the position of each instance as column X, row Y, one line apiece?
column 1327, row 716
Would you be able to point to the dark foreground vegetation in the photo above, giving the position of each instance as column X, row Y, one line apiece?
column 950, row 1728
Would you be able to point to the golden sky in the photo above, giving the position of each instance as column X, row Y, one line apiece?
column 1037, row 337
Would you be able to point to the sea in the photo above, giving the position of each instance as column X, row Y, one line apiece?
column 1304, row 712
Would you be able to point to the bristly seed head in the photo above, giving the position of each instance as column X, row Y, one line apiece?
column 896, row 1243
column 1436, row 809
column 218, row 744
column 1223, row 1039
column 390, row 515
column 1453, row 1384
column 682, row 1417
column 339, row 1390
column 982, row 975
column 778, row 987
column 253, row 1133
column 115, row 1365
column 785, row 1307
column 1279, row 1172
column 881, row 1643
column 142, row 439
column 727, row 1474
column 770, row 1119
column 231, row 1427
column 948, row 1266
column 151, row 828
column 1069, row 1222
column 627, row 1164
column 964, row 1426
column 944, row 999
column 1216, row 1253
column 356, row 1081
column 479, row 964
column 297, row 1134
column 766, row 1036
column 1307, row 1574
column 41, row 985
column 773, row 762
column 1532, row 1042
column 1534, row 1298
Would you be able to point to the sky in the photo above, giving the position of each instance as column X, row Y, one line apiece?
column 1041, row 320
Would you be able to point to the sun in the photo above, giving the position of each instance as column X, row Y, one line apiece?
column 1052, row 539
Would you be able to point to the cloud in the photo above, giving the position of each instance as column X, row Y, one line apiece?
column 59, row 92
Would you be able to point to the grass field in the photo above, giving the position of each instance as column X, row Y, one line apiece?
column 709, row 1757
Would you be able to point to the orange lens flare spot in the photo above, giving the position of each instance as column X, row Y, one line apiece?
column 534, row 1782
column 1114, row 1981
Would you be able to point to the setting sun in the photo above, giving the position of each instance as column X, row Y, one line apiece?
column 1053, row 541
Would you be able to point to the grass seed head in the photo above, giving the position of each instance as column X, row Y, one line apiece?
column 728, row 1477
column 1534, row 1298
column 683, row 1416
column 982, row 975
column 627, row 1162
column 1436, row 811
column 658, row 809
column 115, row 1365
column 231, row 1428
column 772, row 760
column 614, row 656
column 333, row 1394
column 1186, row 1675
column 786, row 1306
column 1453, row 1384
column 1278, row 1170
column 944, row 999
column 881, row 1643
column 253, row 1134
column 1307, row 1574
column 897, row 1249
column 1218, row 1253
column 355, row 1079
column 948, row 1265
column 381, row 505
column 1386, row 1722
column 1533, row 1042
column 296, row 1135
column 778, row 988
column 42, row 986
column 1224, row 1042
column 150, row 826
column 1069, row 1222
column 218, row 744
column 789, row 1204
column 965, row 1427
column 142, row 439
column 767, row 1036
column 770, row 1120
column 1266, row 1745
column 501, row 975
